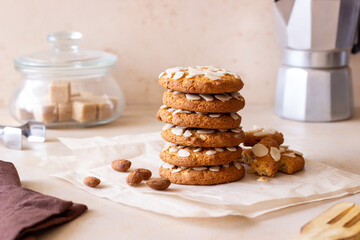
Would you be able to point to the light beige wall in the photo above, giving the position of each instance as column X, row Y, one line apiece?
column 151, row 35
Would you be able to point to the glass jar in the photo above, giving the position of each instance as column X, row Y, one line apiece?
column 67, row 86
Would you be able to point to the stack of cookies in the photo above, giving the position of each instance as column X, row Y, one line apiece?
column 202, row 126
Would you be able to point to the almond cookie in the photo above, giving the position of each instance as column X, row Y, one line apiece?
column 213, row 103
column 291, row 161
column 194, row 157
column 198, row 137
column 255, row 135
column 197, row 119
column 203, row 175
column 201, row 79
column 247, row 155
column 267, row 157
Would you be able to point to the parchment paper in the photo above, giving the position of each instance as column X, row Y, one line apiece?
column 247, row 197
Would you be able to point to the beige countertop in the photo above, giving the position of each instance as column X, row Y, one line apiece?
column 336, row 144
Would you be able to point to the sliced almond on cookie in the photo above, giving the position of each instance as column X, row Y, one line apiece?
column 275, row 153
column 187, row 133
column 177, row 131
column 260, row 150
column 183, row 153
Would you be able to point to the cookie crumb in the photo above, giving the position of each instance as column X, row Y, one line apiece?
column 262, row 179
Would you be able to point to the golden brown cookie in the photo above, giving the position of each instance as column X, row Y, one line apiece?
column 198, row 137
column 256, row 134
column 203, row 175
column 212, row 103
column 198, row 120
column 195, row 157
column 201, row 79
column 267, row 157
column 247, row 156
column 291, row 161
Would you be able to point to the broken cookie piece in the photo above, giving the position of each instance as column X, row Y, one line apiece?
column 265, row 157
column 257, row 134
column 291, row 162
column 247, row 156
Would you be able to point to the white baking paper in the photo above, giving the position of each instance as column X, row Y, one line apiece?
column 247, row 197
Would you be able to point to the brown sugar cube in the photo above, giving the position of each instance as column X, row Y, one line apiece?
column 105, row 107
column 84, row 110
column 104, row 110
column 59, row 91
column 87, row 94
column 24, row 114
column 75, row 94
column 64, row 111
column 46, row 113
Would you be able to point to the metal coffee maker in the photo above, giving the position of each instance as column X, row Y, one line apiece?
column 314, row 83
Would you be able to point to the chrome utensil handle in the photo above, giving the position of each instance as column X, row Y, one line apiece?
column 34, row 131
column 11, row 137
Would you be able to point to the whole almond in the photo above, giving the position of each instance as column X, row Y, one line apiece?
column 158, row 183
column 121, row 165
column 91, row 181
column 146, row 174
column 134, row 178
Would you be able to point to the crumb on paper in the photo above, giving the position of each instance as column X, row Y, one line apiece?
column 262, row 179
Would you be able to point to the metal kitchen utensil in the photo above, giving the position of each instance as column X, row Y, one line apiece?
column 12, row 136
column 314, row 82
column 339, row 222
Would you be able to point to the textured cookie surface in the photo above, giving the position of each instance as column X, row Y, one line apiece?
column 198, row 120
column 203, row 175
column 247, row 156
column 201, row 79
column 255, row 135
column 195, row 157
column 291, row 161
column 267, row 157
column 212, row 103
column 197, row 137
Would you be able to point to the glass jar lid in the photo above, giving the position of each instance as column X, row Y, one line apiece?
column 65, row 58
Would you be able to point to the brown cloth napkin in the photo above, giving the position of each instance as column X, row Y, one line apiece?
column 24, row 212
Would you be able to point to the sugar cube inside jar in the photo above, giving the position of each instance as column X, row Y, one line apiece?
column 67, row 86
